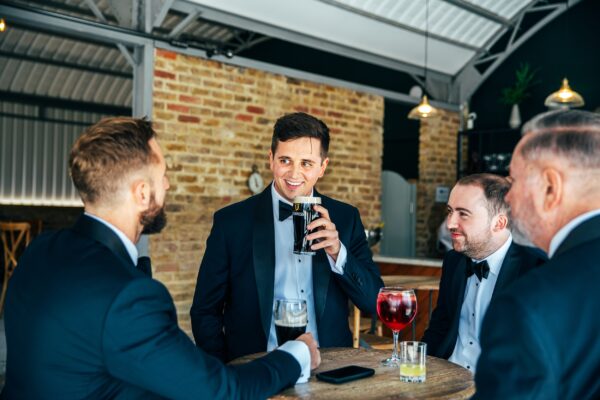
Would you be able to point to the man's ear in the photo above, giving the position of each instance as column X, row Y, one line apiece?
column 324, row 165
column 553, row 186
column 140, row 189
column 500, row 222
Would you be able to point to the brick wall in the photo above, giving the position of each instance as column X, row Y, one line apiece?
column 437, row 167
column 215, row 121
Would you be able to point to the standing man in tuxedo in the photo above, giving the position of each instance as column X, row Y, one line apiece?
column 248, row 262
column 83, row 322
column 540, row 338
column 484, row 261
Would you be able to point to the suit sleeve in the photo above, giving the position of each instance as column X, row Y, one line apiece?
column 143, row 345
column 442, row 316
column 209, row 297
column 361, row 280
column 517, row 356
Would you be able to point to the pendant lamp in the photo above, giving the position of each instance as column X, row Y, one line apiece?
column 424, row 109
column 565, row 97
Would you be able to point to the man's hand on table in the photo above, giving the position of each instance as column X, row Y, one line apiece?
column 315, row 354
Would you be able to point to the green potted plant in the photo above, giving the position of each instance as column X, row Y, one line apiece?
column 514, row 95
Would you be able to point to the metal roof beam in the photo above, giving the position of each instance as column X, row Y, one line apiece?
column 72, row 26
column 470, row 79
column 482, row 12
column 400, row 25
column 162, row 13
column 191, row 17
column 65, row 64
column 53, row 102
column 232, row 20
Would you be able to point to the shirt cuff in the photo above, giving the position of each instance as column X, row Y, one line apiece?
column 338, row 265
column 299, row 350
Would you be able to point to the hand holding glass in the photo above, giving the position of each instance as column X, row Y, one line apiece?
column 396, row 307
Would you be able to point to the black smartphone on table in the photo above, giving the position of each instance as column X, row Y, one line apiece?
column 345, row 374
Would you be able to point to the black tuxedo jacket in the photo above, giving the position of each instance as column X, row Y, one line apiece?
column 233, row 302
column 83, row 322
column 442, row 332
column 540, row 338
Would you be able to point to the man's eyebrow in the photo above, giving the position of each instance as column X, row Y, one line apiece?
column 462, row 209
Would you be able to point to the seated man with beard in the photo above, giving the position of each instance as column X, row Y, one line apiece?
column 83, row 322
column 484, row 260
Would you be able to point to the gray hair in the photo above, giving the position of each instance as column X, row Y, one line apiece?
column 573, row 135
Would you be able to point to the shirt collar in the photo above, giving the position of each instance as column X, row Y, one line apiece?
column 276, row 198
column 563, row 232
column 129, row 246
column 496, row 259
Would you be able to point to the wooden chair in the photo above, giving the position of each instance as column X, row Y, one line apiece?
column 15, row 237
column 366, row 333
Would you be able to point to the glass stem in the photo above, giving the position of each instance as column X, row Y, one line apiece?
column 395, row 351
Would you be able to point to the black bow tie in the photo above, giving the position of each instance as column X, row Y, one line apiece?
column 285, row 210
column 480, row 269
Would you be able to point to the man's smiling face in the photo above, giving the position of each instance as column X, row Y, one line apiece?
column 297, row 166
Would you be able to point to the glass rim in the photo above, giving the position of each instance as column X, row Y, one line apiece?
column 307, row 200
column 291, row 300
column 396, row 289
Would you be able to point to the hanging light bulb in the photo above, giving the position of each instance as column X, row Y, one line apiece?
column 565, row 97
column 424, row 109
column 2, row 25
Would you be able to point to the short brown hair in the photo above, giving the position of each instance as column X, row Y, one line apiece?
column 106, row 153
column 299, row 125
column 494, row 188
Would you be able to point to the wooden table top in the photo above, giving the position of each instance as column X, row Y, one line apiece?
column 445, row 380
column 412, row 281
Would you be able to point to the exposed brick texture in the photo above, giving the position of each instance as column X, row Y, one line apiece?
column 437, row 167
column 215, row 121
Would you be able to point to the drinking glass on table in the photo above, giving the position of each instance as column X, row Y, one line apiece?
column 396, row 307
column 291, row 319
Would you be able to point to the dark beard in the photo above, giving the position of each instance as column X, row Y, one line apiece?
column 153, row 220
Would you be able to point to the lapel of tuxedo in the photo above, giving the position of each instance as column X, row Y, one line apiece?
column 509, row 270
column 459, row 283
column 586, row 231
column 321, row 271
column 101, row 233
column 263, row 251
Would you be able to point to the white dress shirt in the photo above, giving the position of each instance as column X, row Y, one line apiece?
column 562, row 234
column 293, row 272
column 475, row 304
column 293, row 280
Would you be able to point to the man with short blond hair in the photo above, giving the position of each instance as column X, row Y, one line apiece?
column 83, row 322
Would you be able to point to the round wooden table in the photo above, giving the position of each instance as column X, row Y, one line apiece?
column 445, row 380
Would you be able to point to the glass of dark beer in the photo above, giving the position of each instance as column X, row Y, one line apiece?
column 303, row 214
column 291, row 319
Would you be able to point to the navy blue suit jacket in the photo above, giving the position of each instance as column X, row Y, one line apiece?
column 233, row 302
column 540, row 336
column 83, row 322
column 442, row 332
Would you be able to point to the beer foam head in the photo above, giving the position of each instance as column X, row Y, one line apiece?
column 307, row 200
column 293, row 323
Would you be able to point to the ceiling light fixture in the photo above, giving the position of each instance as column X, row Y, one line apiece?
column 565, row 97
column 424, row 109
column 2, row 25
